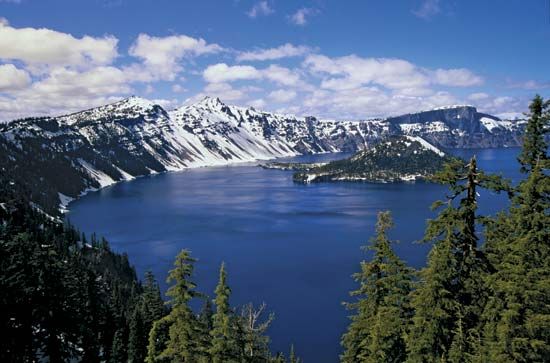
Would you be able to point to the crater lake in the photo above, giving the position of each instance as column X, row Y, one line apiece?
column 294, row 247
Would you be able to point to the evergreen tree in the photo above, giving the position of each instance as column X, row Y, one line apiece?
column 223, row 347
column 148, row 309
column 534, row 147
column 158, row 341
column 182, row 344
column 138, row 338
column 119, row 352
column 517, row 316
column 376, row 332
column 450, row 296
column 205, row 327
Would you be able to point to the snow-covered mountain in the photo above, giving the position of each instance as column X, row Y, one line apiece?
column 459, row 126
column 58, row 158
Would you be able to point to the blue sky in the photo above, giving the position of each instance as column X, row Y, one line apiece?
column 334, row 59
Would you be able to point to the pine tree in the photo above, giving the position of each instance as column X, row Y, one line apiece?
column 376, row 332
column 138, row 337
column 450, row 296
column 158, row 341
column 119, row 352
column 182, row 345
column 534, row 147
column 205, row 327
column 223, row 347
column 153, row 305
column 517, row 316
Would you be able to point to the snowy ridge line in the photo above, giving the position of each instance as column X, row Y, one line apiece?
column 136, row 137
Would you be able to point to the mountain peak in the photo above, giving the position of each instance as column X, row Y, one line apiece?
column 136, row 101
column 209, row 101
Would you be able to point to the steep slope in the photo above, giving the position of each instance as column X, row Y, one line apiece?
column 63, row 157
column 398, row 158
column 459, row 126
column 60, row 158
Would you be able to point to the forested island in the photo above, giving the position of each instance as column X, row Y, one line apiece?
column 395, row 159
column 68, row 297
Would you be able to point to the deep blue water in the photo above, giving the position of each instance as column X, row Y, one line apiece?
column 293, row 246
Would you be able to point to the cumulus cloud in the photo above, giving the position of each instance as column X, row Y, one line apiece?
column 351, row 71
column 224, row 91
column 178, row 88
column 259, row 9
column 300, row 17
column 529, row 85
column 162, row 56
column 460, row 77
column 428, row 9
column 12, row 78
column 221, row 72
column 45, row 47
column 282, row 95
column 283, row 51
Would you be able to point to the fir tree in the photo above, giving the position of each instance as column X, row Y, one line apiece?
column 182, row 345
column 517, row 315
column 223, row 347
column 376, row 332
column 138, row 337
column 450, row 297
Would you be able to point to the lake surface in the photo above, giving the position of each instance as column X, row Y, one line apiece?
column 292, row 246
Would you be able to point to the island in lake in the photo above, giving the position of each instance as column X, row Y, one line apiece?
column 396, row 159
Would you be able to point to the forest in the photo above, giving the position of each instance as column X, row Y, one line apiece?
column 483, row 296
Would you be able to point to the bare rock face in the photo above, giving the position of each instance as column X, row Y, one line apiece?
column 460, row 127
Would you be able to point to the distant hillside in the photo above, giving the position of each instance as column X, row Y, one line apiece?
column 399, row 158
column 60, row 158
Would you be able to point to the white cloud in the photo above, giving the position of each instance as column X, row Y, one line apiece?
column 260, row 8
column 530, row 85
column 161, row 56
column 224, row 91
column 221, row 72
column 282, row 95
column 460, row 77
column 283, row 51
column 351, row 71
column 427, row 9
column 149, row 89
column 178, row 88
column 258, row 103
column 300, row 17
column 12, row 78
column 45, row 47
column 478, row 96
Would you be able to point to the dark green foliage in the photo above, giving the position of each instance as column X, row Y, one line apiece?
column 382, row 312
column 392, row 159
column 534, row 145
column 451, row 295
column 61, row 299
column 517, row 315
column 224, row 347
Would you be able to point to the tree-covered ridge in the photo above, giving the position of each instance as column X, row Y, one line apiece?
column 398, row 158
column 471, row 303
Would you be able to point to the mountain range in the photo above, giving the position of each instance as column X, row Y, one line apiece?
column 59, row 158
